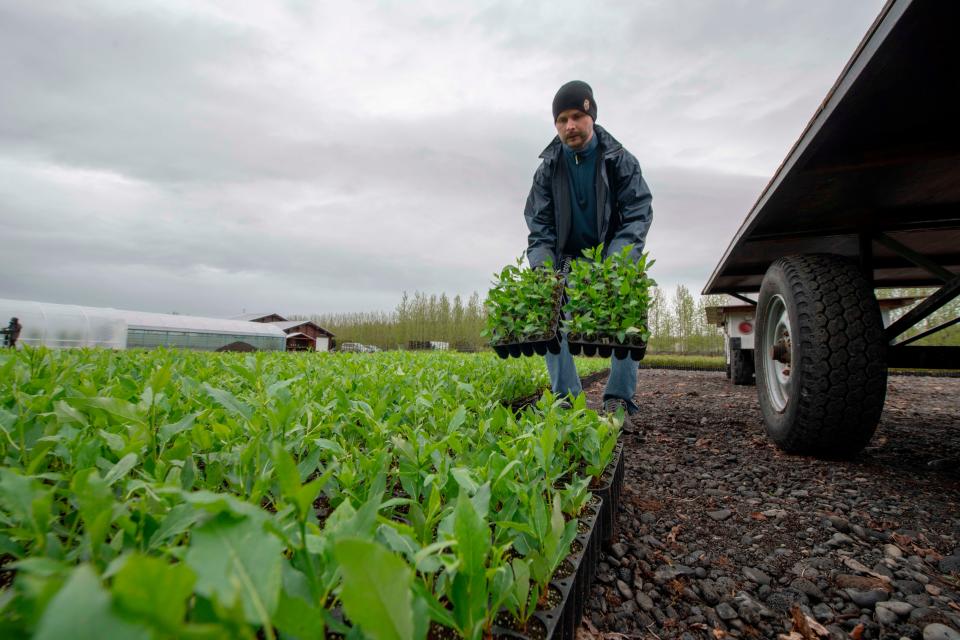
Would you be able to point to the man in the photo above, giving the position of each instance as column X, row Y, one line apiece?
column 12, row 333
column 588, row 190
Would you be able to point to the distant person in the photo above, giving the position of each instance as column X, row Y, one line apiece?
column 588, row 190
column 12, row 333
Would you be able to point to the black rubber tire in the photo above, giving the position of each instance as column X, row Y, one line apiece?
column 838, row 372
column 741, row 366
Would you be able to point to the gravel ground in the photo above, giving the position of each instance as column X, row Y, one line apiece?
column 722, row 536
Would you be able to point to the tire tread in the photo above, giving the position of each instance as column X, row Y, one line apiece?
column 842, row 368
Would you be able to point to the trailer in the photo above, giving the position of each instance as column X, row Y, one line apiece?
column 867, row 198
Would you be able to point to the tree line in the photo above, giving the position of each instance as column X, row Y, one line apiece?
column 417, row 321
column 677, row 323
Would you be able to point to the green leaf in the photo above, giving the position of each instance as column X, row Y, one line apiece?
column 220, row 502
column 238, row 559
column 229, row 401
column 121, row 469
column 457, row 420
column 463, row 478
column 167, row 431
column 113, row 406
column 155, row 590
column 178, row 520
column 96, row 505
column 286, row 468
column 16, row 493
column 305, row 495
column 521, row 583
column 376, row 592
column 275, row 388
column 81, row 610
column 40, row 566
column 113, row 440
column 65, row 414
column 298, row 618
column 472, row 535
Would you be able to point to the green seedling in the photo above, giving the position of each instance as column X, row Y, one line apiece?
column 522, row 304
column 608, row 297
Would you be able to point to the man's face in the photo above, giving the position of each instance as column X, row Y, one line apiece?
column 575, row 128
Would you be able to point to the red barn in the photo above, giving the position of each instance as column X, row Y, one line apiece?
column 302, row 335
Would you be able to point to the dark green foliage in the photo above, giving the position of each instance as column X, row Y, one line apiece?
column 609, row 296
column 165, row 494
column 522, row 305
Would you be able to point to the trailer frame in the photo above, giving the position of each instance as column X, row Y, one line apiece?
column 867, row 198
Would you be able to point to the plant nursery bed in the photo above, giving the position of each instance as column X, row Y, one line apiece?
column 176, row 476
column 569, row 593
column 599, row 518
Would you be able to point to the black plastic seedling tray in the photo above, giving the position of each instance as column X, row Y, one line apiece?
column 537, row 347
column 609, row 491
column 561, row 622
column 600, row 514
column 606, row 346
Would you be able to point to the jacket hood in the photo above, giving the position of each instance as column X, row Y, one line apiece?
column 608, row 145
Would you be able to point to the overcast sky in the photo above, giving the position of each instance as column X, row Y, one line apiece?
column 313, row 157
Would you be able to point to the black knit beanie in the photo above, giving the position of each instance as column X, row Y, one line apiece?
column 576, row 94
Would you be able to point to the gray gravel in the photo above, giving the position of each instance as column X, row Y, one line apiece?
column 722, row 536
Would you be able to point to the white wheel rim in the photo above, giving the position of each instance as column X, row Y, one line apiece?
column 777, row 374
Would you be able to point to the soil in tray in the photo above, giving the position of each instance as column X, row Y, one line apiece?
column 582, row 527
column 565, row 570
column 550, row 600
column 534, row 629
column 606, row 478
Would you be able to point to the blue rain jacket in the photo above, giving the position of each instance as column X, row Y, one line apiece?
column 624, row 213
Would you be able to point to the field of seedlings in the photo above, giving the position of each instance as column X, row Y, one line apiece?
column 193, row 495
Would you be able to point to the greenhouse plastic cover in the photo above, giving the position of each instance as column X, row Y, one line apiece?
column 62, row 325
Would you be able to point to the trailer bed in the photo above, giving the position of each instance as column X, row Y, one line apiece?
column 881, row 154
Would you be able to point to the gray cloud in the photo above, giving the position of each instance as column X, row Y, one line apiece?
column 208, row 157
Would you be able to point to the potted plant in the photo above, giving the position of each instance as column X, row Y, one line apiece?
column 607, row 303
column 523, row 309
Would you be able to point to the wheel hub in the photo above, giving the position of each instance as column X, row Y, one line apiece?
column 778, row 347
column 780, row 351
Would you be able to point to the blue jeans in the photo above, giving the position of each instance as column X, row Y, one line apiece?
column 622, row 382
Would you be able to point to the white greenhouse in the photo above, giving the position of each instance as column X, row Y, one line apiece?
column 64, row 326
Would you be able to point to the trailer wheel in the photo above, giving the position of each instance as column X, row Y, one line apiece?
column 741, row 366
column 820, row 356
